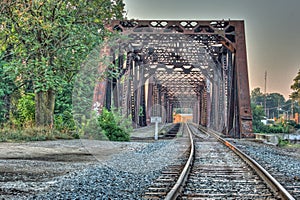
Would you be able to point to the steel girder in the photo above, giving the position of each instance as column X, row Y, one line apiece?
column 199, row 64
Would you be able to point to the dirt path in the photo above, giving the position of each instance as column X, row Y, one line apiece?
column 61, row 150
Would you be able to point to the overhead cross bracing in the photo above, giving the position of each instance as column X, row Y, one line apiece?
column 196, row 64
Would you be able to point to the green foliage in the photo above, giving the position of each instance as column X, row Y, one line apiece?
column 259, row 127
column 91, row 129
column 270, row 129
column 257, row 97
column 26, row 110
column 63, row 116
column 296, row 88
column 91, row 73
column 6, row 89
column 274, row 101
column 84, row 85
column 278, row 128
column 47, row 41
column 64, row 122
column 257, row 116
column 83, row 94
column 283, row 143
column 115, row 126
column 122, row 121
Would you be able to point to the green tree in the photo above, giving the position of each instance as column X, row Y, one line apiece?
column 296, row 88
column 290, row 107
column 274, row 102
column 257, row 97
column 257, row 115
column 48, row 41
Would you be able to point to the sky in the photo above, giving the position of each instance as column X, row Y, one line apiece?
column 272, row 32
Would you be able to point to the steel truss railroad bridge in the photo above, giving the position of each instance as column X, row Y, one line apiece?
column 163, row 65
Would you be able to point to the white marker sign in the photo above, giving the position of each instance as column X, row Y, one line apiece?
column 155, row 119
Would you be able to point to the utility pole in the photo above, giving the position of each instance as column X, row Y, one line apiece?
column 265, row 96
column 278, row 109
column 292, row 109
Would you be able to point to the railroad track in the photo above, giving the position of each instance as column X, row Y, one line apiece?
column 281, row 172
column 291, row 185
column 172, row 133
column 169, row 175
column 215, row 169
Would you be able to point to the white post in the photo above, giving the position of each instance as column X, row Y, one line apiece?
column 156, row 120
column 156, row 131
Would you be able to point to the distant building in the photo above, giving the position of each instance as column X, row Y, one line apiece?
column 182, row 118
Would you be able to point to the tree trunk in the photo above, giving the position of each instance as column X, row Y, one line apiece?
column 44, row 108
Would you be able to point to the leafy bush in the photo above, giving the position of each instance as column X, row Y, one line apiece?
column 115, row 126
column 91, row 129
column 26, row 110
column 261, row 128
column 277, row 129
column 283, row 143
column 64, row 122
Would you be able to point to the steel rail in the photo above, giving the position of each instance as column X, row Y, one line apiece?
column 176, row 189
column 264, row 174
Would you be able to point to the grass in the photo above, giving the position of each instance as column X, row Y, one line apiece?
column 287, row 144
column 283, row 143
column 296, row 145
column 31, row 134
column 290, row 145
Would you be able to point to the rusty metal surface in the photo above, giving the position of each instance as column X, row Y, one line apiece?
column 245, row 116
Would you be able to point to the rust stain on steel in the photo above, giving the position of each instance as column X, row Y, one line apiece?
column 245, row 116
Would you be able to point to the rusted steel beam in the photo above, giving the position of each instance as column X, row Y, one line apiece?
column 243, row 94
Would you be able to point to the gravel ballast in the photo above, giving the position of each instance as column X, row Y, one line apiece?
column 282, row 163
column 125, row 175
